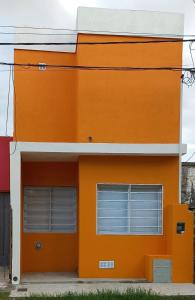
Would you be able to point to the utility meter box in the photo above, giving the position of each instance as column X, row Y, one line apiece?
column 162, row 270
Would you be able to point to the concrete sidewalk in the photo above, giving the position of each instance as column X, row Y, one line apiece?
column 56, row 288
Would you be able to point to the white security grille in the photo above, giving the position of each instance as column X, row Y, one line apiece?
column 129, row 209
column 49, row 209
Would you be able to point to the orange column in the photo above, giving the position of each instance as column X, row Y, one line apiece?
column 180, row 246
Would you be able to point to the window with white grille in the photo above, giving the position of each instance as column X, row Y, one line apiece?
column 49, row 209
column 129, row 209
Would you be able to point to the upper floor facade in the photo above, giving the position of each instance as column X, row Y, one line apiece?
column 104, row 106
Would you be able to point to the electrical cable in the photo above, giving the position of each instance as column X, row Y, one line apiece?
column 75, row 34
column 35, row 33
column 94, row 43
column 190, row 157
column 190, row 47
column 188, row 77
column 102, row 68
column 76, row 31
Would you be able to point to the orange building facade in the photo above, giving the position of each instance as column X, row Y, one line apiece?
column 95, row 170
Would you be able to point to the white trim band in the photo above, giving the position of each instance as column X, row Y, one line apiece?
column 33, row 150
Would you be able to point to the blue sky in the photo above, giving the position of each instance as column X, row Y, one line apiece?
column 62, row 14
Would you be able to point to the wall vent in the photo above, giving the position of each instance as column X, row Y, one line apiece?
column 106, row 264
column 42, row 67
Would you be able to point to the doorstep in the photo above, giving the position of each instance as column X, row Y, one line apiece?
column 60, row 278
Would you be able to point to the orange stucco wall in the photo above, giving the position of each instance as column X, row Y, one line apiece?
column 180, row 245
column 71, row 252
column 60, row 251
column 128, row 251
column 68, row 106
column 132, row 107
column 45, row 107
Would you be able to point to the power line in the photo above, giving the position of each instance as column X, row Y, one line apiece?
column 24, row 69
column 102, row 68
column 93, row 43
column 83, row 30
column 75, row 34
column 35, row 33
column 190, row 157
column 38, row 28
column 190, row 47
column 188, row 77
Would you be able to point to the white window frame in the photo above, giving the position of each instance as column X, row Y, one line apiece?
column 52, row 231
column 133, row 234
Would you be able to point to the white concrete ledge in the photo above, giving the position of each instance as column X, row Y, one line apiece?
column 31, row 151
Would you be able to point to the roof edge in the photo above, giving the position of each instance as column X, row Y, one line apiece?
column 129, row 22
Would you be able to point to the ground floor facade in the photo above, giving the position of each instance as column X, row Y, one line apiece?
column 102, row 214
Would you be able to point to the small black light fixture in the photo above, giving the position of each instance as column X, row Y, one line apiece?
column 90, row 139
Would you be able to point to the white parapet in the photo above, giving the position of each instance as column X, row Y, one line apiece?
column 129, row 22
column 71, row 151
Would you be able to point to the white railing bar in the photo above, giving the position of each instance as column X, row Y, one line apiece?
column 138, row 200
column 131, row 192
column 117, row 226
column 127, row 217
column 113, row 200
column 135, row 209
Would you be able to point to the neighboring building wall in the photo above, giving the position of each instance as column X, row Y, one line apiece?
column 188, row 182
column 4, row 164
column 60, row 250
